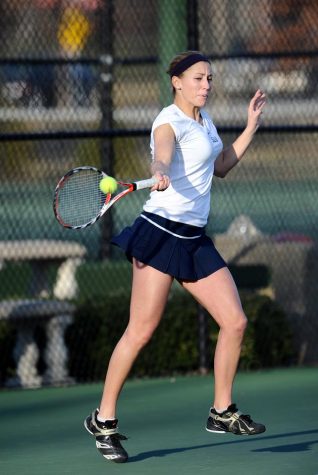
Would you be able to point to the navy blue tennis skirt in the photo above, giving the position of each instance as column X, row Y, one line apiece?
column 180, row 250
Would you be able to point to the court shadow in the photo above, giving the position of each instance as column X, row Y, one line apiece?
column 299, row 447
column 165, row 452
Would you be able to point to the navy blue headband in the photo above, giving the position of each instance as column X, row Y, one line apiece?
column 186, row 62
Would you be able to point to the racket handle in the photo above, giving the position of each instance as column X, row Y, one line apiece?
column 140, row 185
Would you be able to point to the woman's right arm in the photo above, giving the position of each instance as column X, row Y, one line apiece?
column 164, row 146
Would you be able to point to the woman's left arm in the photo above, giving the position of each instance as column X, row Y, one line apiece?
column 230, row 156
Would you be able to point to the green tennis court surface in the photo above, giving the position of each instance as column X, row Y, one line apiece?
column 42, row 430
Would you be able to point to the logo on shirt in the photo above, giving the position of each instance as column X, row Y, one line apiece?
column 212, row 137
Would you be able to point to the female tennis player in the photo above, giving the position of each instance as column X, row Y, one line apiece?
column 168, row 241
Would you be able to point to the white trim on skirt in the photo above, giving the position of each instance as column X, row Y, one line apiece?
column 167, row 231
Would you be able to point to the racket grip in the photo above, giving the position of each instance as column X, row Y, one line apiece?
column 140, row 185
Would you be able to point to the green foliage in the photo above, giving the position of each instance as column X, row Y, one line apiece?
column 99, row 324
column 268, row 339
column 91, row 338
column 94, row 277
column 174, row 346
column 7, row 338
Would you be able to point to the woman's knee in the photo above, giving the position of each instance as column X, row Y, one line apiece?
column 236, row 324
column 139, row 337
column 241, row 323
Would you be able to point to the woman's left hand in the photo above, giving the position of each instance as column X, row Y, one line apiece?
column 255, row 110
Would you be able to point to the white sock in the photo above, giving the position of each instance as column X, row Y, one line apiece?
column 219, row 411
column 101, row 419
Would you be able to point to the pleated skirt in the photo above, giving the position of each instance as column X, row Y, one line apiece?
column 183, row 251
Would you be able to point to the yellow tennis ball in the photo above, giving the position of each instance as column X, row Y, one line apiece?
column 108, row 184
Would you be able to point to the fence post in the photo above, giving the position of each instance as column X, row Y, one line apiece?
column 106, row 106
column 192, row 24
column 172, row 40
column 203, row 331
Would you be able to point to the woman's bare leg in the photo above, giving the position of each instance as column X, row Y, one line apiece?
column 150, row 290
column 218, row 294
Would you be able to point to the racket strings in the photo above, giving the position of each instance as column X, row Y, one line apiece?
column 80, row 199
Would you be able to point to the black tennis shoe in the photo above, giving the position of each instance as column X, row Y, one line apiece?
column 232, row 420
column 107, row 438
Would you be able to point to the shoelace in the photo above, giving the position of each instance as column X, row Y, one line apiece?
column 246, row 418
column 113, row 437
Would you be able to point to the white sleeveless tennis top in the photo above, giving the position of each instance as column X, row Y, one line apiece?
column 187, row 199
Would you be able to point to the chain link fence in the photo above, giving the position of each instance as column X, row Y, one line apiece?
column 80, row 84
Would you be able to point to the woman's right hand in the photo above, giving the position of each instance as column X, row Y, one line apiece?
column 162, row 183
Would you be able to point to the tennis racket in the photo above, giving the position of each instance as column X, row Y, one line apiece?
column 79, row 202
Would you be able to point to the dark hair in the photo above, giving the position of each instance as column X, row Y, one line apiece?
column 183, row 61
